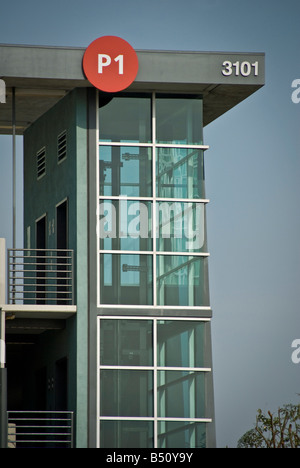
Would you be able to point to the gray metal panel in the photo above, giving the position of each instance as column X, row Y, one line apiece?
column 43, row 75
column 165, row 67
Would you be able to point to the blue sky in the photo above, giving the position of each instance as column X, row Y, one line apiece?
column 252, row 178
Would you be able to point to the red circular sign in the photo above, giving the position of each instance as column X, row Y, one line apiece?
column 110, row 64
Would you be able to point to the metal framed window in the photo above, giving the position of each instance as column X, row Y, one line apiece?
column 151, row 382
column 162, row 170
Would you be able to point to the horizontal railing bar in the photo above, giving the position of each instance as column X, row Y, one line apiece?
column 41, row 257
column 34, row 278
column 42, row 434
column 39, row 285
column 54, row 264
column 43, row 427
column 11, row 418
column 41, row 441
column 39, row 250
column 39, row 412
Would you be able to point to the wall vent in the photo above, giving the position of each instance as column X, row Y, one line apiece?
column 41, row 163
column 61, row 146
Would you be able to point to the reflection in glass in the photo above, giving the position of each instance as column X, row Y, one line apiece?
column 126, row 119
column 180, row 173
column 179, row 120
column 180, row 343
column 126, row 434
column 126, row 343
column 181, row 434
column 125, row 171
column 182, row 281
column 126, row 279
column 181, row 227
column 125, row 225
column 126, row 393
column 181, row 394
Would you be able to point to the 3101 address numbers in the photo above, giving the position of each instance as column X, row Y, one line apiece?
column 240, row 68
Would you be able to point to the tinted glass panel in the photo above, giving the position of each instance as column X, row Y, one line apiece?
column 126, row 434
column 180, row 173
column 181, row 227
column 181, row 434
column 126, row 393
column 125, row 225
column 179, row 121
column 125, row 171
column 126, row 279
column 182, row 281
column 125, row 119
column 180, row 344
column 126, row 343
column 181, row 394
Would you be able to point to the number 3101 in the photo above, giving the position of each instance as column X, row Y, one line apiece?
column 239, row 68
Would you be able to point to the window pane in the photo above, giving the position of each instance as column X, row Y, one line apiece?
column 125, row 225
column 179, row 121
column 126, row 119
column 126, row 434
column 126, row 393
column 126, row 343
column 180, row 173
column 181, row 394
column 125, row 171
column 126, row 279
column 181, row 434
column 182, row 281
column 181, row 227
column 180, row 344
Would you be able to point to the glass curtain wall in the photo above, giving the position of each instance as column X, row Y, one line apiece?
column 152, row 373
column 151, row 218
column 152, row 376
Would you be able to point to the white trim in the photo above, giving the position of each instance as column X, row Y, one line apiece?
column 152, row 199
column 111, row 143
column 151, row 145
column 98, row 385
column 183, row 146
column 166, row 318
column 150, row 252
column 157, row 368
column 152, row 307
column 184, row 200
column 159, row 419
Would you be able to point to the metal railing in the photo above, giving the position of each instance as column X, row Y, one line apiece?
column 40, row 429
column 40, row 276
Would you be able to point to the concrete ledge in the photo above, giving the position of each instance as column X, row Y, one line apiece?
column 39, row 311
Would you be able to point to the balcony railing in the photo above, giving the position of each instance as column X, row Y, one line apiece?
column 40, row 277
column 40, row 429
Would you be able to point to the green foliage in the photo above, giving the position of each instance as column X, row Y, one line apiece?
column 281, row 430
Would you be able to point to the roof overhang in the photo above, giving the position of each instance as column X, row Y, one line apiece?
column 41, row 76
